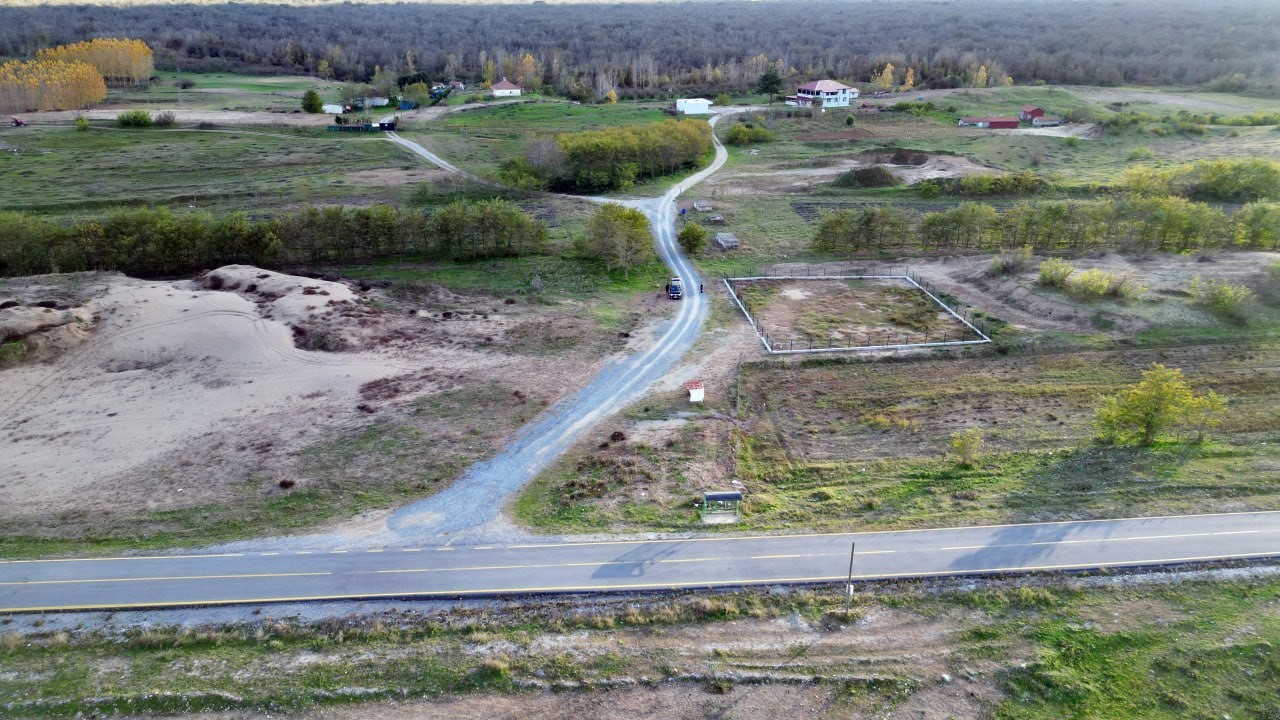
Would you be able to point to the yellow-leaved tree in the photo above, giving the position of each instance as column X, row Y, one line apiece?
column 885, row 78
column 980, row 77
column 121, row 62
column 909, row 80
column 49, row 85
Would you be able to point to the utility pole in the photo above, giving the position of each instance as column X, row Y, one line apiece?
column 848, row 588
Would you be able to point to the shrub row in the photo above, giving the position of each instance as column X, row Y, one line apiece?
column 156, row 242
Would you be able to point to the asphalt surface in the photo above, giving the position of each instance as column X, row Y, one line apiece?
column 626, row 566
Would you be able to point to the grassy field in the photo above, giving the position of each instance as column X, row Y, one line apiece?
column 64, row 172
column 226, row 91
column 1067, row 648
column 866, row 445
column 480, row 139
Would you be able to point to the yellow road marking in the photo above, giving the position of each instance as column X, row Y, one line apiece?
column 149, row 579
column 622, row 586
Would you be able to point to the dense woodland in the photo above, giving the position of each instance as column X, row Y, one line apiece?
column 650, row 49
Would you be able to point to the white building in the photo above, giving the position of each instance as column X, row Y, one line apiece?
column 823, row 93
column 332, row 109
column 693, row 106
column 505, row 89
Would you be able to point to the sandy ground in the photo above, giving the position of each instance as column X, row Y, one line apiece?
column 151, row 395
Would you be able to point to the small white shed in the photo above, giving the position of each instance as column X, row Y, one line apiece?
column 696, row 390
column 332, row 109
column 693, row 106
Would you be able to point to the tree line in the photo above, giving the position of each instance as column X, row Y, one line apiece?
column 655, row 48
column 155, row 242
column 49, row 85
column 122, row 62
column 610, row 159
column 73, row 76
column 1150, row 223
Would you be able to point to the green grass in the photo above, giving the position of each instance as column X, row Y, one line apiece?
column 1034, row 649
column 843, row 446
column 69, row 173
column 226, row 91
column 480, row 139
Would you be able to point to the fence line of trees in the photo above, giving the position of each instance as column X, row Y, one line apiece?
column 156, row 242
column 1156, row 223
column 122, row 62
column 49, row 85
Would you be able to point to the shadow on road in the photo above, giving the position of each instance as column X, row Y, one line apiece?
column 633, row 562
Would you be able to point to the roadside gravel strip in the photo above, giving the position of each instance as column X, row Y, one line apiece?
column 475, row 500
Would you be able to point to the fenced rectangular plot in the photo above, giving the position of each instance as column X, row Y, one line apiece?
column 811, row 313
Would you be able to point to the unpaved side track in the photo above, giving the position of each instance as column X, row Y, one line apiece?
column 475, row 500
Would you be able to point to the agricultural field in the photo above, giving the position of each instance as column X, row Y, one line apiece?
column 854, row 445
column 63, row 172
column 225, row 92
column 799, row 167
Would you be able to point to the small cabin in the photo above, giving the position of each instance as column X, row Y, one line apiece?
column 726, row 241
column 696, row 390
column 701, row 206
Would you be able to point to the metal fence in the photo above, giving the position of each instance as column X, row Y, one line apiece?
column 885, row 339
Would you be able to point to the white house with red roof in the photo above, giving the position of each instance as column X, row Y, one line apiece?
column 503, row 88
column 823, row 93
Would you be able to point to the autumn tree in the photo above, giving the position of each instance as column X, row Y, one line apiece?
column 121, row 62
column 770, row 82
column 1162, row 399
column 885, row 78
column 980, row 77
column 49, row 85
column 909, row 80
column 620, row 237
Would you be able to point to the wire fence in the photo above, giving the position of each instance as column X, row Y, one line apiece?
column 972, row 331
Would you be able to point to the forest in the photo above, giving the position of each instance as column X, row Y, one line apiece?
column 649, row 50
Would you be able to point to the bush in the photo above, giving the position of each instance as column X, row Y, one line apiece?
column 82, row 123
column 1089, row 284
column 693, row 238
column 1011, row 261
column 1161, row 399
column 747, row 134
column 875, row 176
column 134, row 119
column 165, row 118
column 1141, row 153
column 12, row 353
column 1222, row 297
column 966, row 446
column 1054, row 272
column 184, row 83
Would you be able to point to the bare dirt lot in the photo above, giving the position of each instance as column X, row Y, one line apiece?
column 245, row 385
column 805, row 179
column 848, row 313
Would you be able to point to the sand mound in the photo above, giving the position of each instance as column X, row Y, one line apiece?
column 159, row 366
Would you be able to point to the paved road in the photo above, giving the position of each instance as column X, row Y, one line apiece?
column 453, row 571
column 475, row 499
